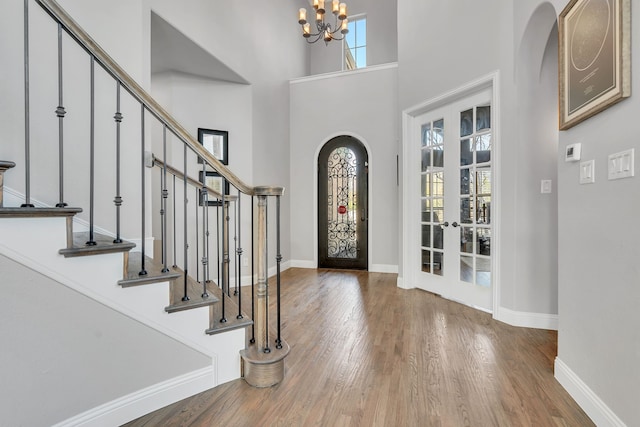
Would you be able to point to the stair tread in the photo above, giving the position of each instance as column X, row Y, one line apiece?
column 104, row 244
column 231, row 313
column 153, row 269
column 47, row 212
column 194, row 292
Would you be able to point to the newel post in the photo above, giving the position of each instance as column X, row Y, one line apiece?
column 263, row 361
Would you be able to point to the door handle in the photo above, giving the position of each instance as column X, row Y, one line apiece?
column 445, row 224
column 363, row 215
column 455, row 224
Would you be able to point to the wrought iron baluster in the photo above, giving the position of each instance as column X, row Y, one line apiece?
column 175, row 251
column 27, row 135
column 118, row 199
column 197, row 247
column 204, row 198
column 60, row 112
column 92, row 142
column 143, row 271
column 253, row 299
column 278, row 260
column 224, row 253
column 163, row 211
column 185, row 296
column 235, row 250
column 239, row 262
column 266, row 275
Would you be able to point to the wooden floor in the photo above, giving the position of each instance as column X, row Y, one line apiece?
column 366, row 353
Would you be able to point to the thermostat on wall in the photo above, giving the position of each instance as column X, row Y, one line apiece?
column 572, row 154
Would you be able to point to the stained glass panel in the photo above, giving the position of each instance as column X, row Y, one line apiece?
column 342, row 203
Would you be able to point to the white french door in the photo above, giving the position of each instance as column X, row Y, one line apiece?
column 452, row 182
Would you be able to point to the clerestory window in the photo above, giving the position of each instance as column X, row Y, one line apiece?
column 355, row 43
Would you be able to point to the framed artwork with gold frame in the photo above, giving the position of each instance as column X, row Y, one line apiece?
column 594, row 57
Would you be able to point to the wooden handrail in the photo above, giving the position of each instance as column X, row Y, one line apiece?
column 112, row 67
column 177, row 173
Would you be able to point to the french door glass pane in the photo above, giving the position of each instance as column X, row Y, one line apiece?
column 432, row 194
column 475, row 195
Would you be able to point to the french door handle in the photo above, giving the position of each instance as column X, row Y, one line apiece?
column 445, row 224
column 455, row 224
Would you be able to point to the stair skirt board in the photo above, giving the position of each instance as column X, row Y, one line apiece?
column 139, row 403
column 14, row 198
column 143, row 303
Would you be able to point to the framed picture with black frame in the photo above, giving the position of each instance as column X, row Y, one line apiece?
column 216, row 142
column 216, row 182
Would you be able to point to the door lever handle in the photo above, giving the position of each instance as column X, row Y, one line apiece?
column 455, row 224
column 445, row 224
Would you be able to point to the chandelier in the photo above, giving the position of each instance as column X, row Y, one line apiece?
column 326, row 31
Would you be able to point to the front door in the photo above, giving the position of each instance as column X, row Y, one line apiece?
column 454, row 241
column 343, row 204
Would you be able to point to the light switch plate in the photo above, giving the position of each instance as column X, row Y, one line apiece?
column 621, row 165
column 588, row 172
column 545, row 186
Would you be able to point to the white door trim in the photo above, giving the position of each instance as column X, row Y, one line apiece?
column 409, row 115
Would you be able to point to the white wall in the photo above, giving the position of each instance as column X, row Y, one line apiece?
column 599, row 292
column 64, row 353
column 365, row 107
column 267, row 56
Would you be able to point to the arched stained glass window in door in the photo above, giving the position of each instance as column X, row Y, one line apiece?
column 342, row 204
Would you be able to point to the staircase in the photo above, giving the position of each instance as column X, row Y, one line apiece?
column 182, row 269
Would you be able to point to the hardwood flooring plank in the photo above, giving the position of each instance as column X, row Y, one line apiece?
column 366, row 353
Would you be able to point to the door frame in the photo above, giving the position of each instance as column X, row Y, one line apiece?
column 371, row 214
column 410, row 258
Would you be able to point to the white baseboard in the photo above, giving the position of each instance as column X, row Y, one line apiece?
column 590, row 403
column 139, row 403
column 526, row 319
column 383, row 268
column 402, row 284
column 297, row 263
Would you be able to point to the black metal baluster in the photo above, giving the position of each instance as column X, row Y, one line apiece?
column 60, row 112
column 27, row 136
column 143, row 271
column 163, row 211
column 218, row 251
column 175, row 251
column 185, row 297
column 239, row 262
column 266, row 270
column 278, row 260
column 92, row 142
column 118, row 199
column 235, row 250
column 197, row 248
column 204, row 197
column 224, row 254
column 253, row 298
